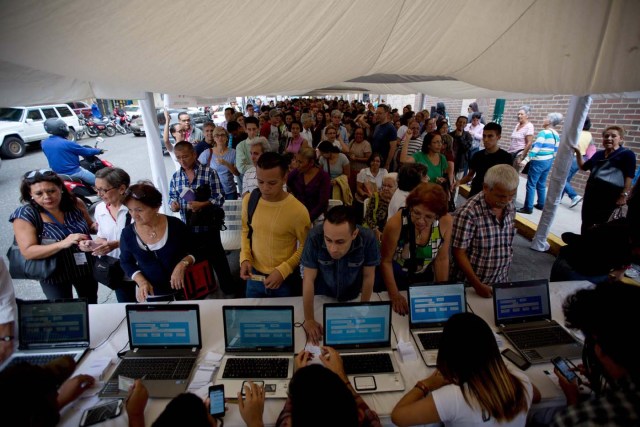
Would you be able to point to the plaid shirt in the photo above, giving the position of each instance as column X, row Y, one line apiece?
column 203, row 175
column 488, row 242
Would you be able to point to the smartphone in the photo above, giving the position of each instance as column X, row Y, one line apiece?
column 102, row 412
column 216, row 398
column 565, row 369
column 516, row 359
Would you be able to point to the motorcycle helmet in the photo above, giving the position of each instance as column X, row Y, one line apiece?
column 56, row 127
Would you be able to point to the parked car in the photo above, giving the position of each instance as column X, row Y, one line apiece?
column 80, row 107
column 20, row 126
column 132, row 111
column 217, row 114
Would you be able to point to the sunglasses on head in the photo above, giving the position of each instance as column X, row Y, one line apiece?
column 39, row 172
column 137, row 195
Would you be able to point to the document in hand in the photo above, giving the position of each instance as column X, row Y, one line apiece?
column 188, row 195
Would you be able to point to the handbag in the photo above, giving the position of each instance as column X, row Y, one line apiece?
column 605, row 171
column 34, row 269
column 208, row 216
column 107, row 269
column 199, row 281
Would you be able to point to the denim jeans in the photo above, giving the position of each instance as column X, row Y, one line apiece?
column 256, row 289
column 537, row 181
column 86, row 176
column 568, row 189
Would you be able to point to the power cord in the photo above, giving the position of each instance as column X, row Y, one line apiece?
column 110, row 335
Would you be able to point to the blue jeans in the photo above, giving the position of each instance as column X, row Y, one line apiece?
column 537, row 182
column 86, row 176
column 568, row 189
column 256, row 289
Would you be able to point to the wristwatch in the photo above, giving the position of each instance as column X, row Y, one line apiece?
column 625, row 193
column 7, row 338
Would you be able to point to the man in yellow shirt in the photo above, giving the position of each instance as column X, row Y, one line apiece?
column 270, row 253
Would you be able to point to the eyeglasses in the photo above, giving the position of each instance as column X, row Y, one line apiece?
column 103, row 190
column 427, row 218
column 42, row 172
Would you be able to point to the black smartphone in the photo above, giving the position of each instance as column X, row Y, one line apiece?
column 102, row 412
column 516, row 359
column 563, row 366
column 216, row 399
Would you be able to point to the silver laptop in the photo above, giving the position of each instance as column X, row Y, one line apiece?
column 361, row 332
column 164, row 342
column 430, row 306
column 51, row 329
column 259, row 347
column 523, row 314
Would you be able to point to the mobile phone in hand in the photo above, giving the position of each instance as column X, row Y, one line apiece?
column 101, row 413
column 216, row 400
column 562, row 365
column 516, row 359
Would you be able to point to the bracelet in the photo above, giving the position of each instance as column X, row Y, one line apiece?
column 425, row 390
column 7, row 338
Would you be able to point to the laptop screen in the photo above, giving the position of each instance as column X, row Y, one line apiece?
column 50, row 324
column 357, row 325
column 164, row 326
column 432, row 305
column 518, row 302
column 258, row 329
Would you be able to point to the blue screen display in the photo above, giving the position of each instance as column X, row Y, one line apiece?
column 217, row 401
column 364, row 324
column 435, row 304
column 251, row 328
column 522, row 302
column 164, row 328
column 53, row 322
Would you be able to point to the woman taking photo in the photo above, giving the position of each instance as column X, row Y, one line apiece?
column 112, row 217
column 310, row 184
column 222, row 159
column 415, row 243
column 471, row 385
column 331, row 135
column 154, row 250
column 609, row 182
column 51, row 223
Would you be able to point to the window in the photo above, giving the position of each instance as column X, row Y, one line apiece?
column 64, row 111
column 49, row 113
column 35, row 115
column 11, row 114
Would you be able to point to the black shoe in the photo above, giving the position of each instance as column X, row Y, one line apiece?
column 525, row 211
column 538, row 206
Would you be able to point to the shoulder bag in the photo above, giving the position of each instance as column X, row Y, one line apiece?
column 34, row 269
column 607, row 172
column 107, row 269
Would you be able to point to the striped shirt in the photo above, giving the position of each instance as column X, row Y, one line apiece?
column 545, row 146
column 487, row 240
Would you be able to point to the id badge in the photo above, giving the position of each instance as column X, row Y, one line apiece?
column 80, row 258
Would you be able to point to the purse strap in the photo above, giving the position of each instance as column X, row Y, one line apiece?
column 148, row 249
column 39, row 224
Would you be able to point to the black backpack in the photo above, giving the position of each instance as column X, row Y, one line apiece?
column 254, row 198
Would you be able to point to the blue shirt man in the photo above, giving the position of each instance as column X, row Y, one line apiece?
column 62, row 155
column 339, row 260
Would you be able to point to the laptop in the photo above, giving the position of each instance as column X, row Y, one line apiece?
column 258, row 343
column 522, row 313
column 51, row 329
column 164, row 342
column 430, row 306
column 361, row 333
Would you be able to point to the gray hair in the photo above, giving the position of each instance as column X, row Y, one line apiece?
column 391, row 175
column 336, row 113
column 114, row 176
column 505, row 175
column 554, row 119
column 526, row 109
column 261, row 140
column 304, row 117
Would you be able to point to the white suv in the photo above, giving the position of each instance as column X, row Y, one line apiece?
column 22, row 125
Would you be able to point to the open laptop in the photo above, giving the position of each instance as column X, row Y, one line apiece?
column 522, row 313
column 164, row 342
column 51, row 329
column 430, row 306
column 258, row 342
column 361, row 333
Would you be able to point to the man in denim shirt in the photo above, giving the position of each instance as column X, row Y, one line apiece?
column 339, row 260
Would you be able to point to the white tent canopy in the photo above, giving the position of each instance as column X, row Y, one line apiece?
column 60, row 50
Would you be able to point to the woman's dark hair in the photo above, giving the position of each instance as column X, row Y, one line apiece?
column 68, row 200
column 184, row 409
column 327, row 147
column 172, row 128
column 313, row 384
column 145, row 193
column 372, row 158
column 426, row 141
column 430, row 195
column 114, row 176
column 410, row 175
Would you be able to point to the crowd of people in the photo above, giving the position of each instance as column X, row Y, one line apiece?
column 396, row 176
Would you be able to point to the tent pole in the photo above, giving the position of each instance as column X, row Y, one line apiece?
column 574, row 120
column 152, row 132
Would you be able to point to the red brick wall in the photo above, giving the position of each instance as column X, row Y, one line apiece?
column 621, row 111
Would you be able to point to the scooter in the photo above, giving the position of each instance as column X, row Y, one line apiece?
column 81, row 189
column 95, row 127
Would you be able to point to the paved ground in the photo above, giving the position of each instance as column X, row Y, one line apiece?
column 130, row 153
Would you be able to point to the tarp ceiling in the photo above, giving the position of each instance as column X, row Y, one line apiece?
column 61, row 50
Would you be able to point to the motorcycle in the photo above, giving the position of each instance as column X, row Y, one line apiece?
column 83, row 128
column 95, row 127
column 81, row 189
column 121, row 124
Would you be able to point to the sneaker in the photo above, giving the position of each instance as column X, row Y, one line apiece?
column 525, row 211
column 575, row 201
column 538, row 206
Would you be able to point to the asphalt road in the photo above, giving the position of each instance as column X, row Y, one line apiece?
column 125, row 151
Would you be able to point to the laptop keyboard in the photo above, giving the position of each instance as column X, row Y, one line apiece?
column 156, row 368
column 430, row 341
column 238, row 367
column 36, row 359
column 373, row 363
column 533, row 338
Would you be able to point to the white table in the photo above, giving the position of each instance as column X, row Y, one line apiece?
column 109, row 336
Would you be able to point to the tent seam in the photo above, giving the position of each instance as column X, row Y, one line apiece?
column 603, row 32
column 384, row 45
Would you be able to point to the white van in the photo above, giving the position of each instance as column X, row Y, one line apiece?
column 23, row 125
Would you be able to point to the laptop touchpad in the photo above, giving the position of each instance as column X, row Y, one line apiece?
column 365, row 383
